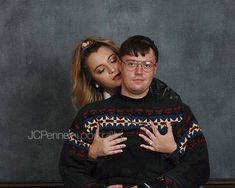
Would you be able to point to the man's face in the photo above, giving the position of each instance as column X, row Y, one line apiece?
column 137, row 79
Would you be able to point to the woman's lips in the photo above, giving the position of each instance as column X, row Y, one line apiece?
column 117, row 76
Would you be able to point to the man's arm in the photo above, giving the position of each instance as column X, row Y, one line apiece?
column 192, row 167
column 74, row 169
column 190, row 160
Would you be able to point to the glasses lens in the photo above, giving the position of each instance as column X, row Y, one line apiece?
column 147, row 65
column 132, row 65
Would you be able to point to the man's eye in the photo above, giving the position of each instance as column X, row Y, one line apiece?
column 148, row 64
column 131, row 64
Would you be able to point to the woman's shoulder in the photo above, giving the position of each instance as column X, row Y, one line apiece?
column 160, row 88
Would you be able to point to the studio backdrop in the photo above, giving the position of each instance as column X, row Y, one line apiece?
column 196, row 42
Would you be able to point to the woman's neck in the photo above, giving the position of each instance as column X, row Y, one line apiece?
column 112, row 92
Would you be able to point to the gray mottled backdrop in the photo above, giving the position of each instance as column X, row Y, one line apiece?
column 196, row 40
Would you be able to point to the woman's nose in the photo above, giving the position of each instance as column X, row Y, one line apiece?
column 112, row 69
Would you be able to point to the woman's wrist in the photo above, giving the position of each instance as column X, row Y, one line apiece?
column 91, row 153
column 173, row 149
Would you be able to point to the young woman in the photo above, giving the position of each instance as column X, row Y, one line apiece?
column 96, row 76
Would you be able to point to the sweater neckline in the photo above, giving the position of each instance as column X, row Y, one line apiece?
column 127, row 99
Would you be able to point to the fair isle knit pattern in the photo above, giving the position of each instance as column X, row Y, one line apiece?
column 187, row 167
column 132, row 122
column 129, row 122
column 192, row 133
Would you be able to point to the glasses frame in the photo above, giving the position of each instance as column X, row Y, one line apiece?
column 137, row 63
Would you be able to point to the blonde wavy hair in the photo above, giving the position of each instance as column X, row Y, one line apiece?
column 83, row 85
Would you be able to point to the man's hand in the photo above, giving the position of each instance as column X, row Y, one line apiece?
column 109, row 145
column 157, row 142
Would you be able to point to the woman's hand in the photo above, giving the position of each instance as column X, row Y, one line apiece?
column 157, row 142
column 120, row 186
column 109, row 145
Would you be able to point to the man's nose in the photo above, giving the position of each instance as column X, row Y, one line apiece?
column 139, row 69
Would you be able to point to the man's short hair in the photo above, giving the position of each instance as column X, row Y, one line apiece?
column 138, row 44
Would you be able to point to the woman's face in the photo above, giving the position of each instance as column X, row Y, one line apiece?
column 104, row 68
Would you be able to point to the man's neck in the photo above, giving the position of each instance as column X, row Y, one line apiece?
column 134, row 95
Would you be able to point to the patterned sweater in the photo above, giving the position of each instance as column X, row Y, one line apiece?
column 187, row 167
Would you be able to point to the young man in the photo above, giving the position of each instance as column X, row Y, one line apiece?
column 165, row 146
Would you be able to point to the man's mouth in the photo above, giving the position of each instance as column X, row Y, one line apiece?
column 138, row 80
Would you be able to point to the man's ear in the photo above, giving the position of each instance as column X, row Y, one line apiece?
column 155, row 69
column 120, row 65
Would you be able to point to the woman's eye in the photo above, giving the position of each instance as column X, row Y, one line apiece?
column 99, row 71
column 114, row 60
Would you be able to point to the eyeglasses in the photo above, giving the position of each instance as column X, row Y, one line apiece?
column 131, row 65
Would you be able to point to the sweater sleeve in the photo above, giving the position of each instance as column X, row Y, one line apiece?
column 75, row 167
column 192, row 166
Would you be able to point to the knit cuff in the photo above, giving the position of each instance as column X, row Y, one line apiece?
column 156, row 183
column 100, row 186
column 174, row 156
column 95, row 185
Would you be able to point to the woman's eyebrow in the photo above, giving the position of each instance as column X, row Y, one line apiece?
column 111, row 56
column 98, row 66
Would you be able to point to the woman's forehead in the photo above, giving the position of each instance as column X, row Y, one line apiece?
column 101, row 56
